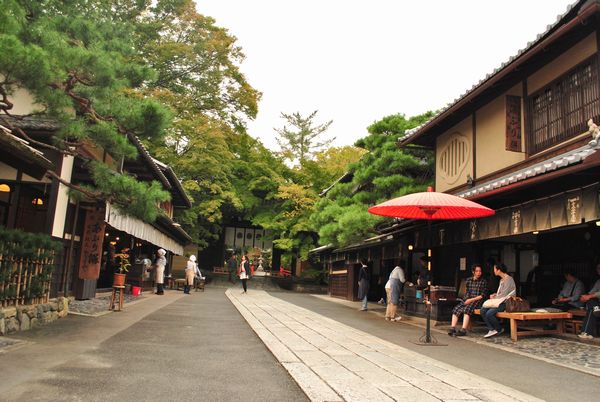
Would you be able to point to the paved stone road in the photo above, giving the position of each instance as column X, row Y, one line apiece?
column 332, row 361
column 164, row 348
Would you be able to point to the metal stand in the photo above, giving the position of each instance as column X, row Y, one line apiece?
column 427, row 339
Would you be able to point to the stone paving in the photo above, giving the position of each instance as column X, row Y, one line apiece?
column 98, row 305
column 332, row 361
column 6, row 344
column 573, row 354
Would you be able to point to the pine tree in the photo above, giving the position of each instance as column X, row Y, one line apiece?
column 78, row 60
column 299, row 139
column 385, row 172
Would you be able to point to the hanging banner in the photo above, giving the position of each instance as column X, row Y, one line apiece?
column 91, row 244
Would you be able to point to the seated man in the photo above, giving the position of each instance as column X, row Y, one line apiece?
column 473, row 299
column 592, row 306
column 568, row 297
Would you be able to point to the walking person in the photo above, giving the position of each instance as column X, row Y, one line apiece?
column 244, row 272
column 496, row 304
column 191, row 271
column 475, row 294
column 160, row 264
column 394, row 288
column 231, row 267
column 363, row 284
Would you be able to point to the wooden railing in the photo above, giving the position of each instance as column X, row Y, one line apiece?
column 560, row 110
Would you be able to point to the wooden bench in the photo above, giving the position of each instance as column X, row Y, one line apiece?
column 179, row 283
column 516, row 332
column 220, row 270
column 574, row 326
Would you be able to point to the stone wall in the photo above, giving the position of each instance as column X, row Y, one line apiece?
column 22, row 318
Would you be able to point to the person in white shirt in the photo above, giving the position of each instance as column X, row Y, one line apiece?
column 394, row 288
column 190, row 272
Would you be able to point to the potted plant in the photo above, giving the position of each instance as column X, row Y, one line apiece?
column 123, row 268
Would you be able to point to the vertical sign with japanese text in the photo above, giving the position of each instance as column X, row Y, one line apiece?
column 91, row 244
column 513, row 123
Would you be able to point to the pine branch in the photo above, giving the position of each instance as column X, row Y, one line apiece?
column 90, row 194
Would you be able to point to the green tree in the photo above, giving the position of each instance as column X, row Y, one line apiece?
column 385, row 172
column 198, row 77
column 329, row 165
column 78, row 60
column 301, row 137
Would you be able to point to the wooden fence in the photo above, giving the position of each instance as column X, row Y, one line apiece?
column 26, row 265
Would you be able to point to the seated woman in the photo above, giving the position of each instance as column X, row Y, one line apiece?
column 476, row 292
column 506, row 289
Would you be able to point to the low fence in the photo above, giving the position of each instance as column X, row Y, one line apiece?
column 26, row 265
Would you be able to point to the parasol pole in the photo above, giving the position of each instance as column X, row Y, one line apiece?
column 429, row 211
column 427, row 300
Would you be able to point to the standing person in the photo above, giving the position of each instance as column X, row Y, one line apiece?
column 506, row 288
column 396, row 287
column 474, row 296
column 191, row 271
column 232, row 266
column 244, row 272
column 160, row 264
column 363, row 284
column 592, row 306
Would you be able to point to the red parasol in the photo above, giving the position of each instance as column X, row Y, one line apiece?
column 431, row 205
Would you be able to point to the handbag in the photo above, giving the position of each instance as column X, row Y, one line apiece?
column 515, row 304
column 492, row 303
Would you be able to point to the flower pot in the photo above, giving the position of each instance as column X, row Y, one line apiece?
column 119, row 280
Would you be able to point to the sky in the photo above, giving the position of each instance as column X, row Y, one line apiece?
column 357, row 61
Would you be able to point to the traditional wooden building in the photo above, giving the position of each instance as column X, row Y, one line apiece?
column 521, row 141
column 91, row 232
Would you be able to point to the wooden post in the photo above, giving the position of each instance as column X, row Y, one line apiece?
column 18, row 282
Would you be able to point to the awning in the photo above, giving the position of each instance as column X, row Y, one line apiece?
column 141, row 230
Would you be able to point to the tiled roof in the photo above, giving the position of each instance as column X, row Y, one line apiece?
column 558, row 162
column 550, row 28
column 22, row 147
column 175, row 181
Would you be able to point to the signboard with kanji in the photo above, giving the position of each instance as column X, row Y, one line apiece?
column 91, row 244
column 513, row 123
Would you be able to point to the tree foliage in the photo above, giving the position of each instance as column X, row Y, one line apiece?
column 78, row 61
column 384, row 172
column 300, row 138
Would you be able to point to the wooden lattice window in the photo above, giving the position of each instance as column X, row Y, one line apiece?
column 560, row 110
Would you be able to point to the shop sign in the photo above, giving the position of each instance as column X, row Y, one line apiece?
column 574, row 209
column 473, row 230
column 513, row 123
column 516, row 222
column 91, row 244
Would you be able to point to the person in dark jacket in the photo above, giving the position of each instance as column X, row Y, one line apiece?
column 244, row 272
column 363, row 284
column 232, row 267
